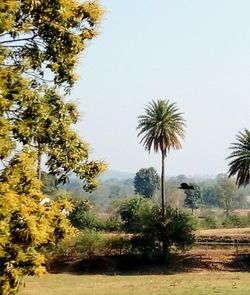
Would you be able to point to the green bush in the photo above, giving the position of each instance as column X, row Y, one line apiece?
column 113, row 223
column 146, row 246
column 209, row 222
column 234, row 221
column 179, row 229
column 127, row 209
column 83, row 215
column 143, row 218
column 116, row 245
column 85, row 245
column 212, row 220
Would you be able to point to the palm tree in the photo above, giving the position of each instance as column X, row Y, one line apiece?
column 240, row 164
column 161, row 128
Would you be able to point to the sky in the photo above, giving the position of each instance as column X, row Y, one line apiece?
column 196, row 53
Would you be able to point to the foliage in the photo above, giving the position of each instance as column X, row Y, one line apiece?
column 127, row 209
column 40, row 39
column 232, row 221
column 87, row 244
column 142, row 217
column 43, row 121
column 227, row 192
column 180, row 229
column 240, row 158
column 193, row 198
column 175, row 196
column 40, row 44
column 44, row 38
column 82, row 215
column 106, row 192
column 215, row 219
column 209, row 222
column 146, row 182
column 113, row 223
column 49, row 184
column 117, row 245
column 104, row 195
column 152, row 233
column 26, row 223
column 209, row 192
column 161, row 129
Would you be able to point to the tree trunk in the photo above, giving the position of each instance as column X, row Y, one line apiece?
column 39, row 162
column 162, row 186
column 164, row 242
column 227, row 207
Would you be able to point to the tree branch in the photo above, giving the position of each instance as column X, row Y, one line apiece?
column 19, row 40
column 38, row 77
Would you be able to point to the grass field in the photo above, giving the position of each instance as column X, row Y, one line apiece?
column 198, row 272
column 195, row 283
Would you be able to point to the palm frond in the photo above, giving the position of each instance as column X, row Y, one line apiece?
column 239, row 165
column 162, row 126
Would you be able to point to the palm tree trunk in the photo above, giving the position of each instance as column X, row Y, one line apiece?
column 164, row 242
column 162, row 186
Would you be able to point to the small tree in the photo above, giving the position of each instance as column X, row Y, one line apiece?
column 209, row 193
column 82, row 215
column 227, row 192
column 127, row 209
column 146, row 182
column 142, row 217
column 193, row 198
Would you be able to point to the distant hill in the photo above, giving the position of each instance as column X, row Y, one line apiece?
column 116, row 174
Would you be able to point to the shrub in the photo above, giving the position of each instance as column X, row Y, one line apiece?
column 86, row 245
column 209, row 222
column 83, row 215
column 179, row 229
column 127, row 209
column 144, row 219
column 234, row 221
column 113, row 223
column 116, row 245
column 148, row 247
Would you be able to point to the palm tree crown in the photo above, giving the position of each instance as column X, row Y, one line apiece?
column 240, row 164
column 162, row 126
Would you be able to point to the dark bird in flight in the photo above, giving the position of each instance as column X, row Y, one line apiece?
column 185, row 185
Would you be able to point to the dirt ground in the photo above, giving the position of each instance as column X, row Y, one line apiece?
column 205, row 258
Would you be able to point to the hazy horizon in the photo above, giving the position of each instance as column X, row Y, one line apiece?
column 194, row 53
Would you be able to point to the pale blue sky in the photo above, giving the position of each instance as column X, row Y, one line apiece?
column 193, row 52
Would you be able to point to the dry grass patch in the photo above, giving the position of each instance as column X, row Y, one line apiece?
column 202, row 283
column 224, row 234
